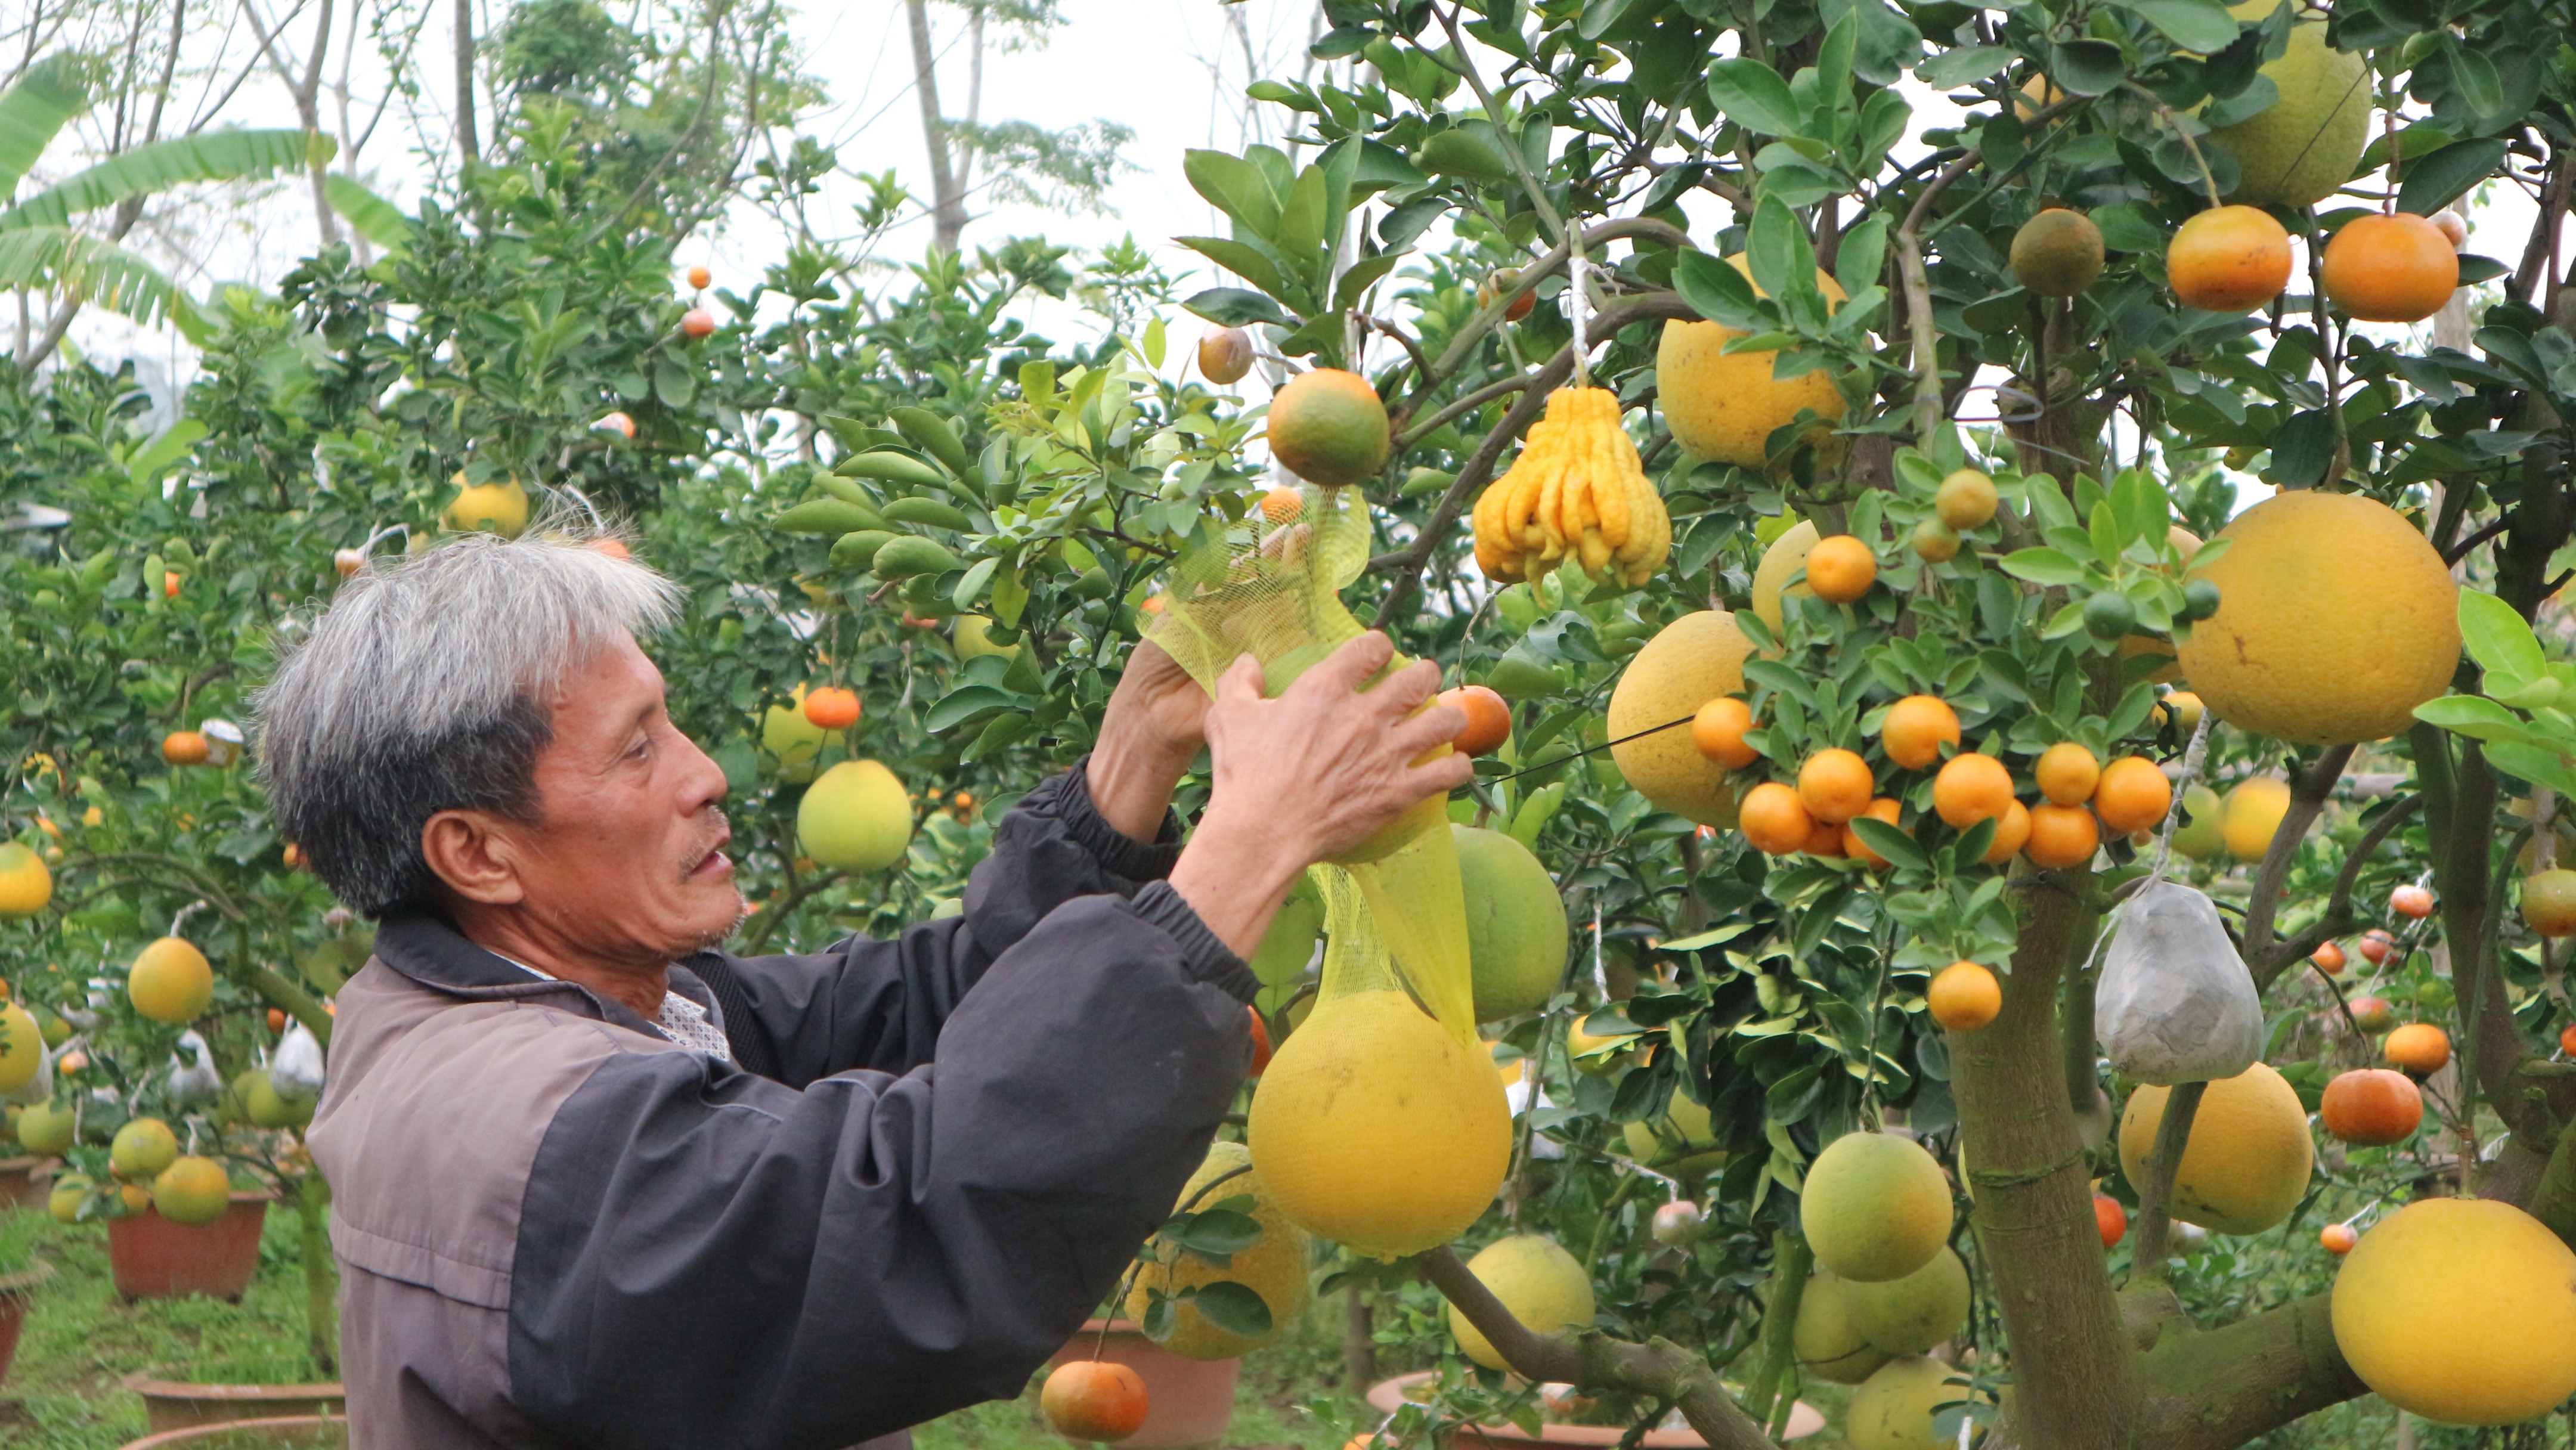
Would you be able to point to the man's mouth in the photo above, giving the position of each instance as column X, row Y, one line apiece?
column 715, row 863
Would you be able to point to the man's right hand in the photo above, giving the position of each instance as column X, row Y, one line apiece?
column 1308, row 776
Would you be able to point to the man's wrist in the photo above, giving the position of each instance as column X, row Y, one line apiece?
column 1234, row 873
column 1132, row 782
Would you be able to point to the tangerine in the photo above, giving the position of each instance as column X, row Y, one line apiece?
column 1841, row 569
column 2398, row 268
column 1328, row 427
column 2410, row 900
column 1916, row 728
column 184, row 747
column 2418, row 1047
column 2375, row 944
column 1718, row 732
column 2066, row 773
column 1824, row 838
column 1964, row 997
column 1885, row 809
column 1093, row 1399
column 831, row 708
column 1934, row 542
column 1489, row 720
column 2111, row 1217
column 2012, row 828
column 2229, row 259
column 2371, row 1014
column 1966, row 500
column 1835, row 785
column 2329, row 958
column 2567, row 1040
column 2549, row 901
column 2057, row 253
column 2133, row 794
column 2061, row 836
column 1225, row 355
column 1972, row 788
column 2338, row 1238
column 1774, row 820
column 2372, row 1107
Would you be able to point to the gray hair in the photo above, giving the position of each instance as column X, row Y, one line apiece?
column 425, row 688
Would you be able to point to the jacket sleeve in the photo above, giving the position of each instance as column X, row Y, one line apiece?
column 880, row 1004
column 707, row 1257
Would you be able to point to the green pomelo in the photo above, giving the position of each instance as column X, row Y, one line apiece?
column 2304, row 146
column 1829, row 1345
column 1894, row 1408
column 1516, row 931
column 64, row 1203
column 1682, row 1145
column 2201, row 835
column 1875, row 1207
column 1537, row 1280
column 142, row 1149
column 266, row 1107
column 969, row 635
column 1282, row 958
column 1912, row 1314
column 855, row 818
column 192, row 1190
column 46, row 1129
column 793, row 741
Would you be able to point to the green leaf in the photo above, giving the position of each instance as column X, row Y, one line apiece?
column 2442, row 177
column 2302, row 448
column 1717, row 291
column 165, row 451
column 32, row 111
column 1234, row 186
column 1752, row 95
column 2474, row 716
column 1778, row 249
column 1214, row 1232
column 375, row 218
column 213, row 156
column 105, row 274
column 2498, row 638
column 1863, row 254
column 2045, row 567
column 1890, row 842
column 1362, row 275
column 2088, row 67
column 1954, row 68
column 972, row 585
column 965, row 703
column 1301, row 226
column 1254, row 263
column 2201, row 25
column 1236, row 307
column 1234, row 1308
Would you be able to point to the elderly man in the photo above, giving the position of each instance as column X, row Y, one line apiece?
column 598, row 1183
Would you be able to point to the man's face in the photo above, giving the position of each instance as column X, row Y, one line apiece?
column 627, row 856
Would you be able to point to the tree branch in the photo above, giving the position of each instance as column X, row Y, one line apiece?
column 2337, row 917
column 2223, row 1388
column 2155, row 1222
column 2308, row 793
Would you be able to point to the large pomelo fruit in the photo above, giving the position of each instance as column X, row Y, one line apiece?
column 1724, row 406
column 1516, row 929
column 1828, row 1343
column 1692, row 661
column 2304, row 146
column 1912, row 1314
column 1537, row 1280
column 2336, row 618
column 1876, row 1207
column 2461, row 1310
column 1275, row 1267
column 855, row 818
column 1376, row 1129
column 1895, row 1408
column 1682, row 1144
column 2246, row 1163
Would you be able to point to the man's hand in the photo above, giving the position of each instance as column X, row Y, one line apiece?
column 1308, row 776
column 1152, row 730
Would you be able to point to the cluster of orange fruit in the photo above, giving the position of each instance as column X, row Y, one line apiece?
column 2080, row 796
column 2394, row 267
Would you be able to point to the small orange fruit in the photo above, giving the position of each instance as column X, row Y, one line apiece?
column 1916, row 728
column 1225, row 355
column 1885, row 809
column 1260, row 1042
column 276, row 1019
column 2338, row 1238
column 1834, row 785
column 2229, row 259
column 170, row 584
column 1824, row 838
column 2567, row 1039
column 2057, row 253
column 1965, row 996
column 699, row 277
column 2418, row 1047
column 2397, row 268
column 829, row 707
column 1774, row 820
column 2371, row 1014
column 1328, row 427
column 1489, row 720
column 1718, row 732
column 1841, row 569
column 2329, row 958
column 2411, row 900
column 2133, row 794
column 2372, row 1107
column 2012, row 828
column 184, row 747
column 1972, row 788
column 2066, row 773
column 2061, row 836
column 293, row 856
column 2111, row 1218
column 1282, row 505
column 1093, row 1399
column 2375, row 945
column 697, row 322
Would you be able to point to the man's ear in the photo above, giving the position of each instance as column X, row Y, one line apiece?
column 475, row 853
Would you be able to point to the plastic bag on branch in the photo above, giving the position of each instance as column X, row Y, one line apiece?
column 1272, row 589
column 2176, row 1003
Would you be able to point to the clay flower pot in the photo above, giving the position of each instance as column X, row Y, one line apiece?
column 170, row 1404
column 1388, row 1396
column 309, row 1432
column 154, row 1258
column 25, row 1182
column 13, row 1309
column 1188, row 1401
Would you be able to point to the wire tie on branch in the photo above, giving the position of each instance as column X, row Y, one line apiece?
column 1578, row 306
column 191, row 909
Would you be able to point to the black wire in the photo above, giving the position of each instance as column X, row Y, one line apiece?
column 1592, row 750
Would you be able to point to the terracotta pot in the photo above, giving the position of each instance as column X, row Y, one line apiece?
column 154, row 1258
column 25, row 1182
column 316, row 1432
column 1388, row 1396
column 13, row 1309
column 178, row 1405
column 1189, row 1401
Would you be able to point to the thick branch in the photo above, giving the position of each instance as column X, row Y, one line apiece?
column 1592, row 1360
column 2337, row 917
column 2309, row 790
column 2224, row 1388
column 2155, row 1221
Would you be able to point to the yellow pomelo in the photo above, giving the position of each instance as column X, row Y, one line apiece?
column 2246, row 1164
column 1537, row 1280
column 192, row 1190
column 793, row 741
column 2203, row 832
column 1875, row 1207
column 855, row 818
column 1275, row 1267
column 2304, row 146
column 143, row 1148
column 2460, row 1310
column 2335, row 620
column 64, row 1203
column 171, row 981
column 1829, row 1345
column 46, row 1129
column 1377, row 1129
column 1516, row 931
column 1723, row 406
column 1786, row 556
column 2252, row 816
column 969, row 636
column 1894, row 1409
column 493, row 508
column 25, row 885
column 1682, row 1145
column 22, row 1048
column 1912, row 1314
column 1695, row 659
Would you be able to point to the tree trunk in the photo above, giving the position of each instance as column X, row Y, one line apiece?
column 469, row 145
column 2075, row 1382
column 947, row 187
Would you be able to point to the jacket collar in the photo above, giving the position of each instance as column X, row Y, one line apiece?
column 430, row 950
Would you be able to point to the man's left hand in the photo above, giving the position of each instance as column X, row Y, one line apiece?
column 1154, row 726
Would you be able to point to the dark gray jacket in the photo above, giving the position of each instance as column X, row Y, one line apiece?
column 557, row 1228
